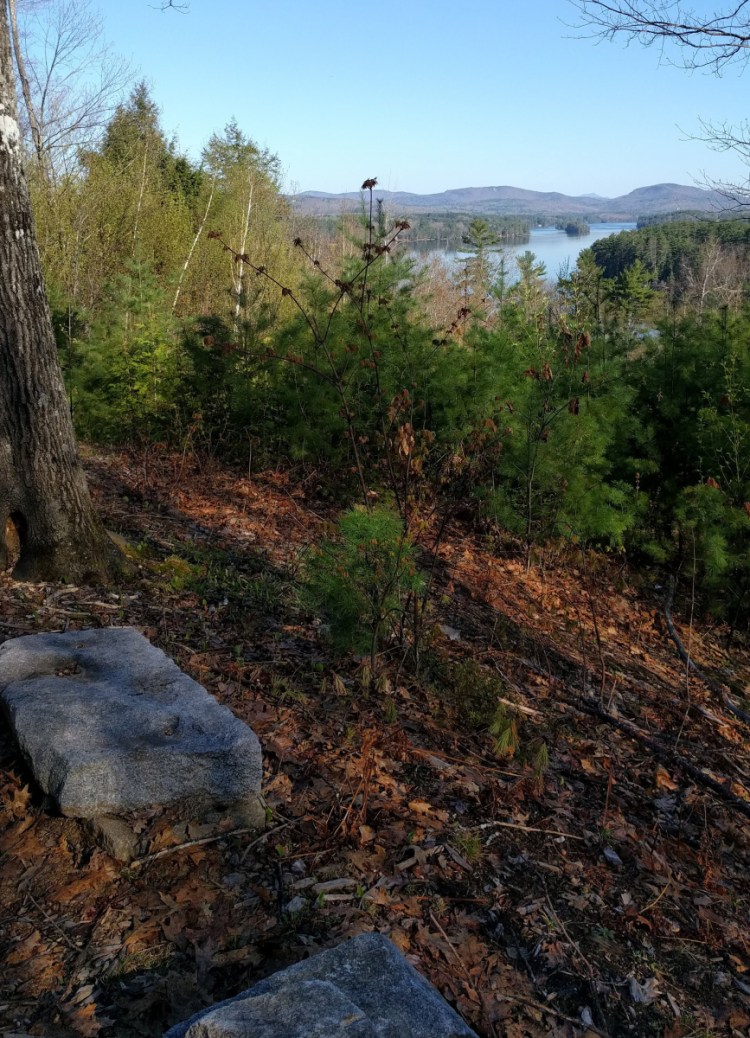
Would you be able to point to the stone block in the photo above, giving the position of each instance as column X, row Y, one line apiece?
column 111, row 726
column 364, row 988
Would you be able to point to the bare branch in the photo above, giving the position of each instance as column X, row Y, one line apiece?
column 36, row 134
column 711, row 41
column 724, row 137
column 75, row 82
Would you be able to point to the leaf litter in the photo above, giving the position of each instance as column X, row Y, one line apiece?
column 606, row 893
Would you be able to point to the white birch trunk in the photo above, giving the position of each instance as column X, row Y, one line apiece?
column 196, row 239
column 240, row 266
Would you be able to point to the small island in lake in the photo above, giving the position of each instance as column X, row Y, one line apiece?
column 574, row 228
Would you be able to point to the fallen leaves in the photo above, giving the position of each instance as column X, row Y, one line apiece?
column 98, row 874
column 83, row 1020
column 615, row 882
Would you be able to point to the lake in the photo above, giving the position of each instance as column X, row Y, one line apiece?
column 557, row 250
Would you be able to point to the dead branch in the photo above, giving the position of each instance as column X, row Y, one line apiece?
column 662, row 752
column 715, row 687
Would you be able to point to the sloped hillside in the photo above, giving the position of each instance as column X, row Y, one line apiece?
column 549, row 816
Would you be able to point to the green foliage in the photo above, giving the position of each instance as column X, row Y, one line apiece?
column 479, row 239
column 338, row 375
column 233, row 150
column 687, row 443
column 573, row 227
column 132, row 126
column 630, row 294
column 219, row 577
column 472, row 693
column 714, row 536
column 360, row 580
column 476, row 699
column 530, row 291
column 126, row 373
column 504, row 730
column 581, row 292
column 564, row 400
column 581, row 413
column 469, row 845
column 665, row 248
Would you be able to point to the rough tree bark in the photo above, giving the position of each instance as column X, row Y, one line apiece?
column 43, row 491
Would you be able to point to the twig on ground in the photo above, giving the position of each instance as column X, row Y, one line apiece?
column 55, row 925
column 657, row 899
column 574, row 944
column 529, row 829
column 138, row 862
column 541, row 1007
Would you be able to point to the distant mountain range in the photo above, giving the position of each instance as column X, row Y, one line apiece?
column 516, row 201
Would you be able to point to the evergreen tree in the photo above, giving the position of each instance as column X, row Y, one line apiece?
column 630, row 294
column 125, row 384
column 479, row 240
column 562, row 413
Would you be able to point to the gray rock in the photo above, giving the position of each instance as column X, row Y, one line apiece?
column 612, row 857
column 110, row 725
column 364, row 988
column 116, row 837
column 296, row 905
column 308, row 1009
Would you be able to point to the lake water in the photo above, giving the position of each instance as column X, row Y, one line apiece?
column 557, row 250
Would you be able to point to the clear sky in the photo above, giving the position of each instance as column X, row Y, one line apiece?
column 428, row 95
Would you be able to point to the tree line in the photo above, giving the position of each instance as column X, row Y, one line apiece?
column 193, row 306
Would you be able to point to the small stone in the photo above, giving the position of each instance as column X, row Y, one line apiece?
column 115, row 837
column 612, row 856
column 332, row 885
column 295, row 906
column 439, row 765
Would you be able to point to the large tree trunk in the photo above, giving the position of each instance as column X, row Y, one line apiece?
column 43, row 490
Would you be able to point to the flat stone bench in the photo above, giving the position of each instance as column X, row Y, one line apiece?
column 364, row 988
column 110, row 726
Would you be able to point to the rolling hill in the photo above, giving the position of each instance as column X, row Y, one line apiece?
column 516, row 201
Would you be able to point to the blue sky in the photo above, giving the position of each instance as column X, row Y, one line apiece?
column 427, row 94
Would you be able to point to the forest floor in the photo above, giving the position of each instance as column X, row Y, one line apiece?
column 607, row 893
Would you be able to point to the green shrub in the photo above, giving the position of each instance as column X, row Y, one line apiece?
column 361, row 579
column 126, row 374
